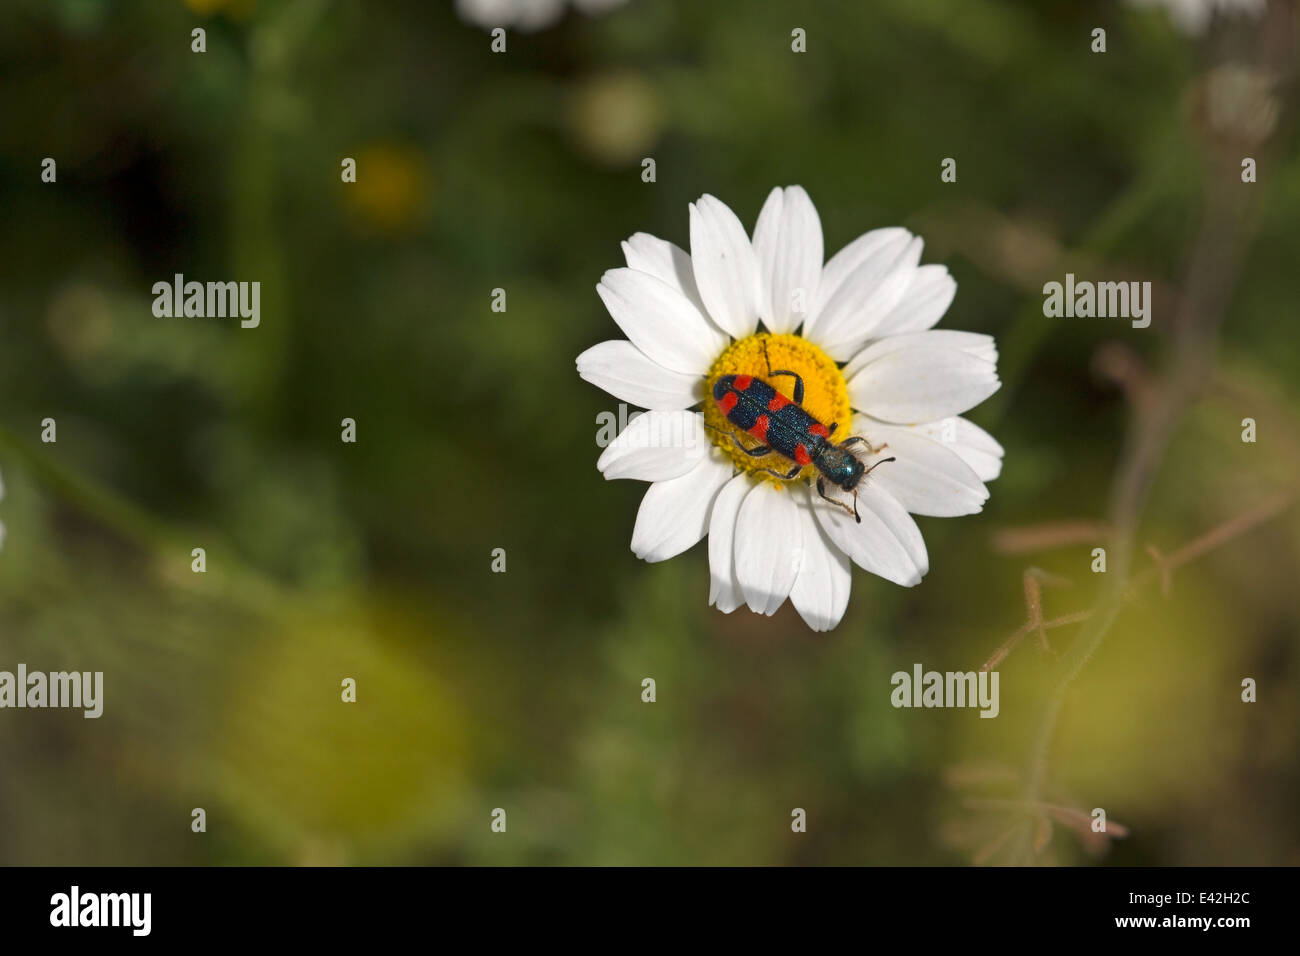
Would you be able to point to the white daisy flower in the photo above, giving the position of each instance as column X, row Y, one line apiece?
column 857, row 332
column 1193, row 16
column 526, row 15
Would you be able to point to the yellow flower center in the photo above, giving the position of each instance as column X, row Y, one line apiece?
column 825, row 397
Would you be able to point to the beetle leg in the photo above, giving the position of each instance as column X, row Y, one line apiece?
column 798, row 383
column 788, row 476
column 871, row 449
column 798, row 379
column 821, row 490
column 758, row 451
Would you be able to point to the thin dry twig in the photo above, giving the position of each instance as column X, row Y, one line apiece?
column 1212, row 272
column 1067, row 816
column 1048, row 536
column 1164, row 568
column 1036, row 818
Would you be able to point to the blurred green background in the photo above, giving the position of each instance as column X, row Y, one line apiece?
column 372, row 560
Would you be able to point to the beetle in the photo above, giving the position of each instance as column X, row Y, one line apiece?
column 785, row 427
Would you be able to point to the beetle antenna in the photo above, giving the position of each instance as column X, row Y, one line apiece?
column 856, row 516
column 877, row 465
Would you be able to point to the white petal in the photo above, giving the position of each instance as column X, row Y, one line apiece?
column 976, row 447
column 656, row 446
column 726, row 271
column 821, row 590
column 926, row 476
column 887, row 542
column 847, row 260
column 788, row 244
column 674, row 514
column 921, row 384
column 923, row 304
column 624, row 371
column 768, row 546
column 975, row 343
column 865, row 297
column 724, row 586
column 660, row 321
column 525, row 17
column 666, row 261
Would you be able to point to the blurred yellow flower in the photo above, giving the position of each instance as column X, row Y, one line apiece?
column 391, row 189
column 325, row 777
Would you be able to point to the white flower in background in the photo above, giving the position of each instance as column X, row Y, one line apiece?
column 526, row 15
column 1193, row 16
column 858, row 331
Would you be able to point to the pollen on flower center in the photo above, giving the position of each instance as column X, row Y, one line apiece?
column 826, row 394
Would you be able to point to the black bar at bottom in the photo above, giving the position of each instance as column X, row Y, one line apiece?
column 305, row 905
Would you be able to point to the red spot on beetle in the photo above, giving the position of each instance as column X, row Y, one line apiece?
column 742, row 382
column 819, row 429
column 759, row 430
column 801, row 455
column 777, row 403
column 727, row 402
